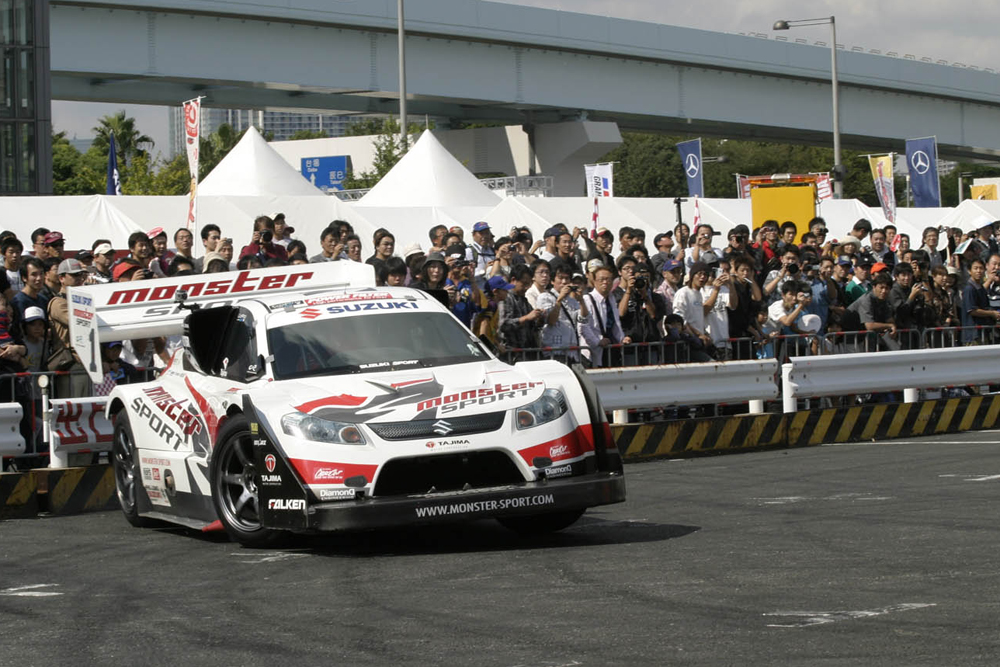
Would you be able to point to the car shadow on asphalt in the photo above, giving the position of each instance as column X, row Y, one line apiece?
column 483, row 536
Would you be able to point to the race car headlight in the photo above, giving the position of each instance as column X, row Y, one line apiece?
column 550, row 406
column 321, row 430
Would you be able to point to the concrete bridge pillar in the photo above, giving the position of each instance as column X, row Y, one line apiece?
column 561, row 150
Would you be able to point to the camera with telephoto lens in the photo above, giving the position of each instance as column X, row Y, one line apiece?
column 266, row 236
column 793, row 269
column 641, row 282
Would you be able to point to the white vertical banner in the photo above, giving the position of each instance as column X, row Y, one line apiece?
column 192, row 141
column 600, row 179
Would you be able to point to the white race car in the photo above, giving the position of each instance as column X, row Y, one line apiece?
column 306, row 399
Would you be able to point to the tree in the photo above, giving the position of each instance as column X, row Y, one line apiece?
column 308, row 134
column 129, row 142
column 388, row 151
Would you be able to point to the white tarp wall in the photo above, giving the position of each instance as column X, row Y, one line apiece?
column 972, row 214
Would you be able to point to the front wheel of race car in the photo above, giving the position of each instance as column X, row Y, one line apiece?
column 125, row 464
column 234, row 486
column 539, row 524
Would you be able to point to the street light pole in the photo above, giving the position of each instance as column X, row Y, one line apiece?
column 402, row 76
column 838, row 168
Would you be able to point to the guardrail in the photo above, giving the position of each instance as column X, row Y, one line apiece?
column 805, row 377
column 11, row 440
column 686, row 384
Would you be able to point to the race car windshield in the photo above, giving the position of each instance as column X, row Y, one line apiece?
column 341, row 345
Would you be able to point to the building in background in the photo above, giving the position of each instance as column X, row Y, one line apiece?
column 26, row 102
column 281, row 124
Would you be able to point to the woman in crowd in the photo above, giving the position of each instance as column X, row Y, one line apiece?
column 541, row 276
column 385, row 243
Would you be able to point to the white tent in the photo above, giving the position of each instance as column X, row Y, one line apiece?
column 428, row 175
column 972, row 214
column 253, row 168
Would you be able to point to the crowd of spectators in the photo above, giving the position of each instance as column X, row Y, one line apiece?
column 607, row 300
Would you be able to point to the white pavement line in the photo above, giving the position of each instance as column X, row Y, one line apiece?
column 29, row 592
column 822, row 617
column 788, row 500
column 972, row 478
column 268, row 558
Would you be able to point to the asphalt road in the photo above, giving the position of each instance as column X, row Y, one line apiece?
column 874, row 554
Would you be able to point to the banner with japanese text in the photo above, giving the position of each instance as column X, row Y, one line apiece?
column 881, row 166
column 192, row 140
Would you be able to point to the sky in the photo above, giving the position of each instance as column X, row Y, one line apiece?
column 957, row 31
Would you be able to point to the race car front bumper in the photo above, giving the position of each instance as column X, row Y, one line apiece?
column 540, row 497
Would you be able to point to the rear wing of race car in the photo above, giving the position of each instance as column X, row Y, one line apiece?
column 148, row 308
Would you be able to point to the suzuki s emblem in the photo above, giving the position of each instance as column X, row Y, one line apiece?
column 441, row 427
column 269, row 462
column 691, row 165
column 920, row 162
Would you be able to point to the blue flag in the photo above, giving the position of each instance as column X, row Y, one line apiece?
column 921, row 159
column 114, row 183
column 691, row 163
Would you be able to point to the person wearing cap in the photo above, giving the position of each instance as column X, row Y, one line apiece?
column 602, row 246
column 859, row 284
column 487, row 321
column 161, row 256
column 468, row 298
column 53, row 245
column 551, row 240
column 565, row 312
column 33, row 328
column 433, row 276
column 71, row 274
column 413, row 256
column 483, row 252
column 12, row 250
column 673, row 278
column 985, row 236
column 116, row 370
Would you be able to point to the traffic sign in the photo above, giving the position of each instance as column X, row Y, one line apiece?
column 326, row 173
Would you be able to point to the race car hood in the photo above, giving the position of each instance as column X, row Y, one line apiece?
column 461, row 390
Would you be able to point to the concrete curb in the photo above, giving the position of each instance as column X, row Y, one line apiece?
column 674, row 439
column 57, row 491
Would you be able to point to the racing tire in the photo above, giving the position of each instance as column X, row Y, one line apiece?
column 125, row 464
column 540, row 524
column 234, row 486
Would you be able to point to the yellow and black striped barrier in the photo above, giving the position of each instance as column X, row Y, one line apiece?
column 57, row 490
column 877, row 421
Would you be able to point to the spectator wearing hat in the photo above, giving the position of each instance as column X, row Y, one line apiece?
column 551, row 240
column 603, row 245
column 128, row 270
column 975, row 309
column 689, row 302
column 75, row 385
column 85, row 257
column 282, row 231
column 487, row 320
column 673, row 278
column 468, row 297
column 433, row 278
column 519, row 323
column 703, row 234
column 987, row 239
column 33, row 328
column 33, row 276
column 859, row 284
column 603, row 325
column 116, row 370
column 790, row 270
column 483, row 252
column 413, row 256
column 53, row 245
column 38, row 243
column 564, row 313
column 215, row 263
column 160, row 255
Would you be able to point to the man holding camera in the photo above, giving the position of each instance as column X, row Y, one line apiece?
column 718, row 299
column 564, row 312
column 908, row 300
column 788, row 271
column 639, row 309
column 262, row 244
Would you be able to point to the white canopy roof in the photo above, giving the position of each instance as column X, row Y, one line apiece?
column 972, row 214
column 428, row 175
column 253, row 168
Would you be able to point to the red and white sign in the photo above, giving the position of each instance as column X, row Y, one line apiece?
column 192, row 140
column 79, row 425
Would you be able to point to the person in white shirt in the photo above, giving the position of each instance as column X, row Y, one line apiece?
column 718, row 300
column 702, row 245
column 549, row 252
column 603, row 326
column 689, row 304
column 541, row 277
